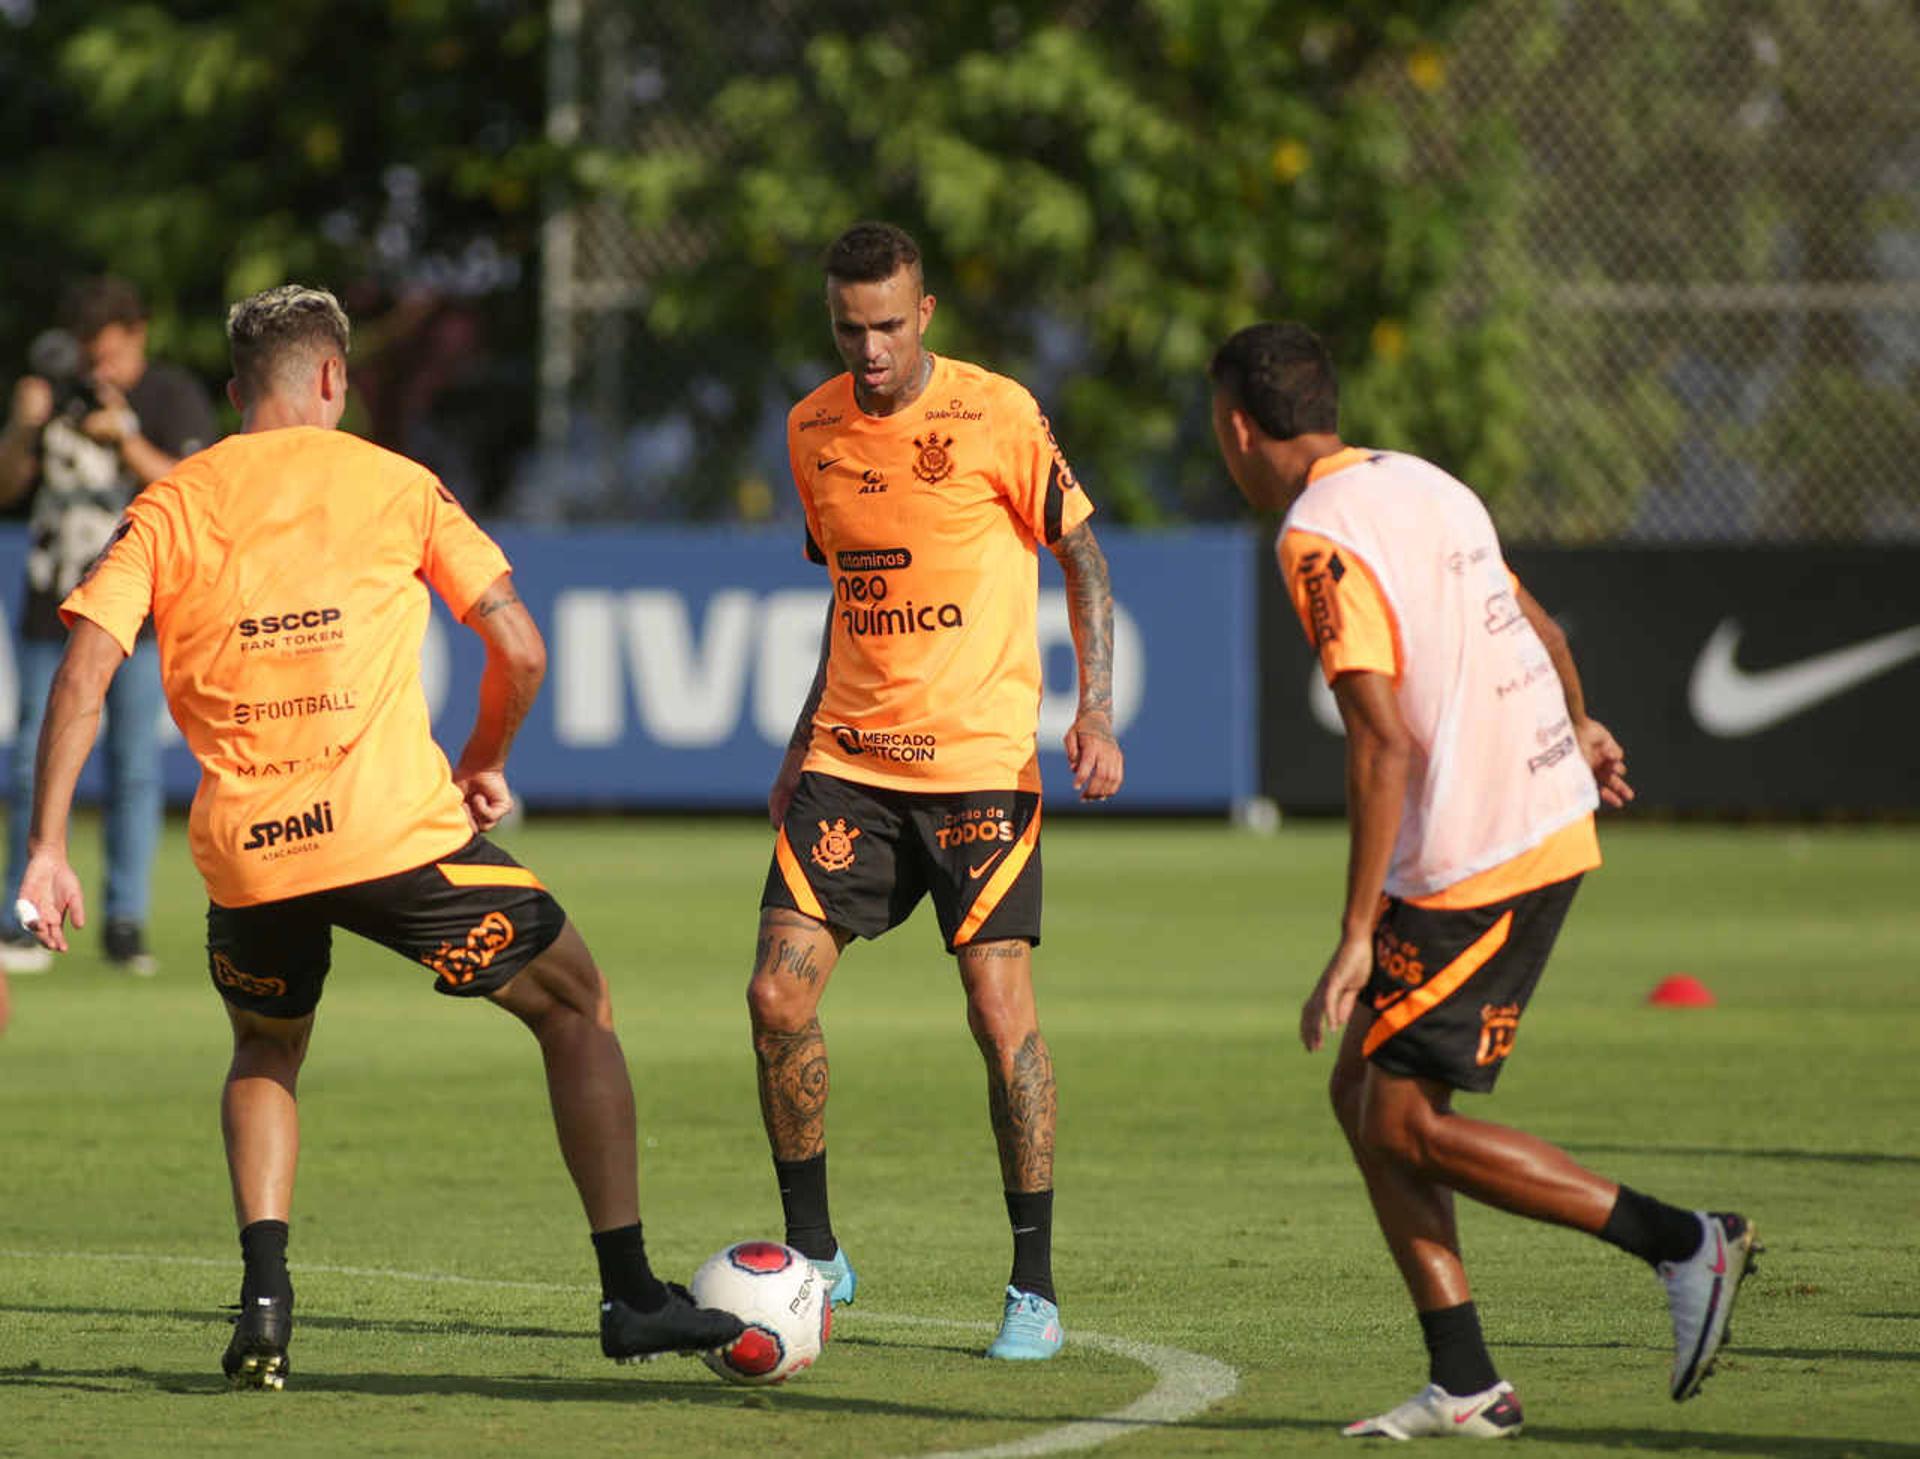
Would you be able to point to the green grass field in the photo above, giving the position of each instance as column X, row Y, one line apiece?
column 1206, row 1203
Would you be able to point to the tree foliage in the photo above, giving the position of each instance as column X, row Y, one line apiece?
column 1103, row 192
column 388, row 148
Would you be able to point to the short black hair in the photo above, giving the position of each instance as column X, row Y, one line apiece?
column 1282, row 376
column 868, row 253
column 92, row 304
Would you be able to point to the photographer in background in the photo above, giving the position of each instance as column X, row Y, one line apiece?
column 91, row 424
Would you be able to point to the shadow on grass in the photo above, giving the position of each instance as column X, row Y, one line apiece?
column 1694, row 1152
column 309, row 1321
column 1656, row 1441
column 526, row 1388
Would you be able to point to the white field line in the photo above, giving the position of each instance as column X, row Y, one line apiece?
column 1186, row 1383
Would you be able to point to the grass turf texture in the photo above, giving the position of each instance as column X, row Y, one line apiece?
column 1206, row 1201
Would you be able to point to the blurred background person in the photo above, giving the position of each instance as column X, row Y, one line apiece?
column 92, row 422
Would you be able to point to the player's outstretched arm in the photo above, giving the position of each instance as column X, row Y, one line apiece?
column 1379, row 754
column 788, row 777
column 67, row 734
column 1601, row 750
column 516, row 664
column 1093, row 751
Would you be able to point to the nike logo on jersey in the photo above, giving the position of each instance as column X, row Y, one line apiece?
column 1729, row 702
column 974, row 873
column 827, row 461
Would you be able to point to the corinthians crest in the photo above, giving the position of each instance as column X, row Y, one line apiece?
column 834, row 850
column 934, row 464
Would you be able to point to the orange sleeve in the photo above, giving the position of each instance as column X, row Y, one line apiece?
column 459, row 561
column 1034, row 473
column 1345, row 615
column 797, row 462
column 117, row 590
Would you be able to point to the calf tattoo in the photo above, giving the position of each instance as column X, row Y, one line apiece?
column 793, row 1089
column 1022, row 1102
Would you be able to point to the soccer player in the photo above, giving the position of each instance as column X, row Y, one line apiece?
column 928, row 486
column 1473, row 771
column 286, row 569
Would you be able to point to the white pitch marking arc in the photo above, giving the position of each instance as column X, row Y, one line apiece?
column 1186, row 1383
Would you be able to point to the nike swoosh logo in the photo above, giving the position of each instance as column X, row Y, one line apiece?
column 974, row 873
column 829, row 461
column 1729, row 702
column 1473, row 1412
column 1719, row 1253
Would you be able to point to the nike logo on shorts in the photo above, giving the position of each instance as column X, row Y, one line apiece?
column 974, row 873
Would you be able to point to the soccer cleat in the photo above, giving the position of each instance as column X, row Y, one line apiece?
column 1700, row 1293
column 21, row 952
column 1029, row 1329
column 125, row 944
column 256, row 1355
column 628, row 1335
column 1493, row 1413
column 838, row 1273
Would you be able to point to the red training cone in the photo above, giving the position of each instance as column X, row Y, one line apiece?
column 1682, row 990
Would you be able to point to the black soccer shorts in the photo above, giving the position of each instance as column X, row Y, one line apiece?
column 475, row 918
column 861, row 857
column 1448, row 987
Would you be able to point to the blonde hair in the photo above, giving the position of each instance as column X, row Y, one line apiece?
column 280, row 331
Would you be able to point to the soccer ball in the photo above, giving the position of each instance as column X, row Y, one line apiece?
column 776, row 1292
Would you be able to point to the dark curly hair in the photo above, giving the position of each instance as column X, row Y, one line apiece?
column 1282, row 376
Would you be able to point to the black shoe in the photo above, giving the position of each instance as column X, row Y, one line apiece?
column 628, row 1335
column 126, row 948
column 257, row 1355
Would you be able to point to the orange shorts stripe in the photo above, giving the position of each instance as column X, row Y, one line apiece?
column 998, row 884
column 478, row 874
column 796, row 879
column 1440, row 985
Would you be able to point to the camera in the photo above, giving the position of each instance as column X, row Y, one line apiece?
column 55, row 355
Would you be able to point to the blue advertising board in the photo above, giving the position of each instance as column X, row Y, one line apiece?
column 678, row 658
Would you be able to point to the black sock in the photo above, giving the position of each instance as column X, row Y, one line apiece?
column 263, row 1247
column 1031, row 1214
column 624, row 1273
column 1457, row 1357
column 803, row 1196
column 1652, row 1230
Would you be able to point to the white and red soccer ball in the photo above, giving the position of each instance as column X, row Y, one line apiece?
column 781, row 1298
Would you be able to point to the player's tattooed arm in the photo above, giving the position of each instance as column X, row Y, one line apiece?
column 793, row 1089
column 516, row 664
column 802, row 738
column 1093, row 750
column 1022, row 1101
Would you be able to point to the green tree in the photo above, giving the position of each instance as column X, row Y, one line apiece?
column 1103, row 190
column 207, row 148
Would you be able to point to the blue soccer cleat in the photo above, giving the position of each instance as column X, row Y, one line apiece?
column 838, row 1273
column 1030, row 1330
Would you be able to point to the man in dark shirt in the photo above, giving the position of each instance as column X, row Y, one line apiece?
column 93, row 424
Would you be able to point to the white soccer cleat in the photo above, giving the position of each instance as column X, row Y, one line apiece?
column 1700, row 1293
column 1493, row 1413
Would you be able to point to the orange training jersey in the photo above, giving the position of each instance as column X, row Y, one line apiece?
column 287, row 574
column 928, row 521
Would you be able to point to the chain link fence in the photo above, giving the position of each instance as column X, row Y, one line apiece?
column 1707, row 256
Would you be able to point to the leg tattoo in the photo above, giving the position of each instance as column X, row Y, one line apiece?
column 793, row 1089
column 1022, row 1102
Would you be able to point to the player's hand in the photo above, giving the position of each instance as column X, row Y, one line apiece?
column 1093, row 754
column 54, row 897
column 485, row 795
column 32, row 403
column 784, row 785
column 1330, row 1004
column 1606, row 759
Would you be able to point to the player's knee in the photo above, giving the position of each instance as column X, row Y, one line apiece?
column 563, row 983
column 1400, row 1130
column 777, row 1004
column 1000, row 1020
